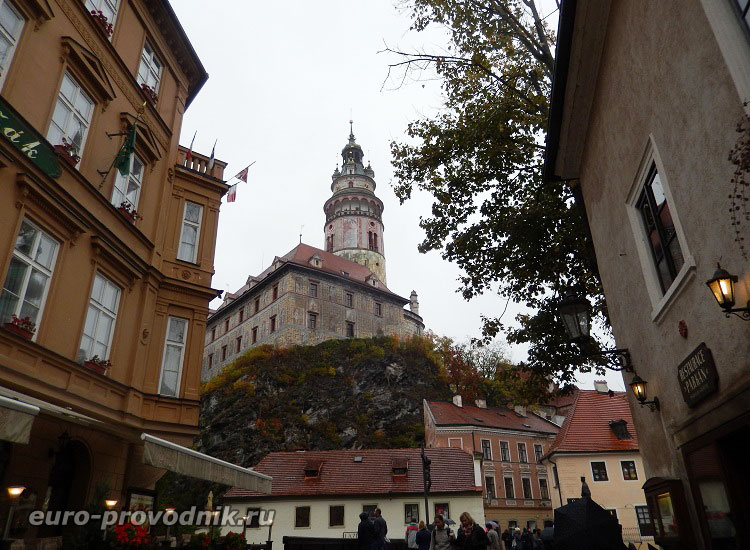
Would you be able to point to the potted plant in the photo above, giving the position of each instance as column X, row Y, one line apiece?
column 102, row 22
column 150, row 93
column 69, row 152
column 233, row 541
column 130, row 536
column 199, row 541
column 25, row 328
column 129, row 211
column 99, row 365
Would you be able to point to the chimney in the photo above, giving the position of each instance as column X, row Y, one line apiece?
column 414, row 304
column 520, row 410
column 601, row 386
column 481, row 403
column 457, row 401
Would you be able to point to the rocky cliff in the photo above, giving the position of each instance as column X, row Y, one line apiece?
column 338, row 394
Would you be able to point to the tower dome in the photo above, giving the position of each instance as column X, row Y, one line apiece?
column 354, row 224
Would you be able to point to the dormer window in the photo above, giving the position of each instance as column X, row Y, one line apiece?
column 312, row 468
column 620, row 429
column 400, row 466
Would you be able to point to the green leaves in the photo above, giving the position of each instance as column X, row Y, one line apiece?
column 481, row 158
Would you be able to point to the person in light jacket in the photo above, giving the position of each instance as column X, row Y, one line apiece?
column 442, row 537
column 493, row 536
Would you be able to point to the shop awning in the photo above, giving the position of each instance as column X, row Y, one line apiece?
column 16, row 419
column 181, row 460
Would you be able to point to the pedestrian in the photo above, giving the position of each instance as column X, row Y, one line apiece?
column 537, row 541
column 471, row 536
column 381, row 530
column 411, row 535
column 517, row 538
column 527, row 540
column 442, row 536
column 423, row 537
column 493, row 537
column 365, row 532
column 507, row 539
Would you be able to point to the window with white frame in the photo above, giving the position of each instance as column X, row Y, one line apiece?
column 27, row 281
column 489, row 486
column 509, row 489
column 504, row 451
column 191, row 230
column 100, row 319
column 526, row 487
column 522, row 453
column 543, row 489
column 107, row 7
column 486, row 449
column 150, row 69
column 661, row 235
column 11, row 25
column 174, row 354
column 72, row 116
column 128, row 188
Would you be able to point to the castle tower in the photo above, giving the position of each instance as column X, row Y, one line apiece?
column 354, row 222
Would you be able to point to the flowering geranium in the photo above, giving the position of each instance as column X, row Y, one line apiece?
column 131, row 536
column 150, row 92
column 24, row 323
column 103, row 21
column 130, row 210
column 103, row 363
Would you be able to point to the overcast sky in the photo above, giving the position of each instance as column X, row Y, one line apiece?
column 284, row 80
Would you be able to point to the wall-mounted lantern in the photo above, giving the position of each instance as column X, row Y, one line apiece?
column 722, row 287
column 638, row 385
column 575, row 313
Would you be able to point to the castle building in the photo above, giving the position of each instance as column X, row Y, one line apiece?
column 310, row 295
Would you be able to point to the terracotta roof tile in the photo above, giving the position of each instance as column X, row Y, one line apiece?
column 586, row 427
column 452, row 471
column 301, row 255
column 448, row 414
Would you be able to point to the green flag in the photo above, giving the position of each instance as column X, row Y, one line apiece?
column 122, row 162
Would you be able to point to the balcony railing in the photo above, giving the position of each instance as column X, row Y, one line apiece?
column 535, row 502
column 199, row 163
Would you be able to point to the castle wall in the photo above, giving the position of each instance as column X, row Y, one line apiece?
column 291, row 310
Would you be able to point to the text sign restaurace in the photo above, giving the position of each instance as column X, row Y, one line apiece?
column 28, row 141
column 697, row 375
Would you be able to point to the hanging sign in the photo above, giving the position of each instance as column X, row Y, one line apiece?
column 697, row 376
column 27, row 140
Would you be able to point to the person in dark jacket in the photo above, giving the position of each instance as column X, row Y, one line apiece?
column 365, row 532
column 381, row 530
column 471, row 536
column 423, row 537
column 507, row 539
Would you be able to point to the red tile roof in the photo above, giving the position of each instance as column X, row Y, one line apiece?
column 586, row 427
column 335, row 265
column 452, row 472
column 448, row 414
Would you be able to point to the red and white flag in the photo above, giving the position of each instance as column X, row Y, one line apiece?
column 232, row 193
column 242, row 175
column 190, row 149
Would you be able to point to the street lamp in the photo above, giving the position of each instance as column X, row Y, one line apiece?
column 269, row 543
column 14, row 491
column 722, row 287
column 427, row 483
column 575, row 313
column 638, row 385
column 110, row 504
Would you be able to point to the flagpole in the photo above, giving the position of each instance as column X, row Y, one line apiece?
column 140, row 112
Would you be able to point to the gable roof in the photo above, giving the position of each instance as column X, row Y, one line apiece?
column 452, row 471
column 332, row 264
column 587, row 429
column 447, row 414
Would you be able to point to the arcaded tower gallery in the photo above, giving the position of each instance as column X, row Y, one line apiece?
column 310, row 294
column 354, row 215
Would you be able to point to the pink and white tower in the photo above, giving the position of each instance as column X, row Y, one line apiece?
column 354, row 222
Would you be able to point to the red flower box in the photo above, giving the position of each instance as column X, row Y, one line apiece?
column 15, row 329
column 96, row 366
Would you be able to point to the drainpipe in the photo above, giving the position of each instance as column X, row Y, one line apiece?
column 557, row 479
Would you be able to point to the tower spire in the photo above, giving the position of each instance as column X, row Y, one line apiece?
column 351, row 131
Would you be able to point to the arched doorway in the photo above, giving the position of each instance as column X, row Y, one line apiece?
column 68, row 481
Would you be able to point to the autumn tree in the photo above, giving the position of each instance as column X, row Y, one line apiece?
column 481, row 160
